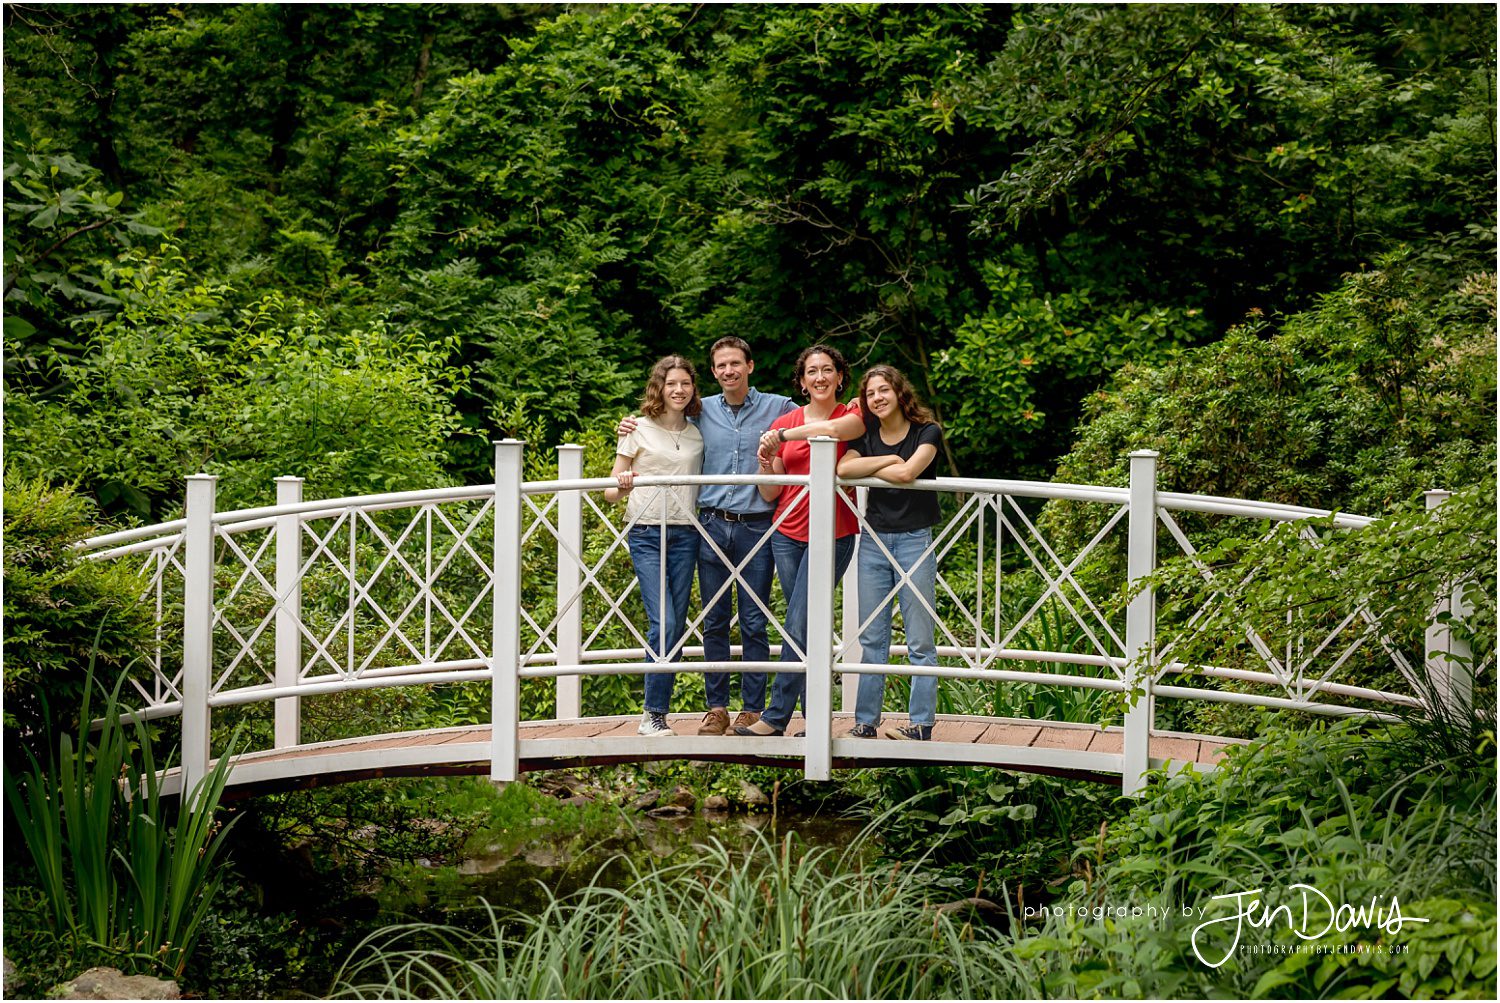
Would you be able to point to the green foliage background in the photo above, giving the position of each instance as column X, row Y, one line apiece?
column 356, row 243
column 519, row 206
column 61, row 614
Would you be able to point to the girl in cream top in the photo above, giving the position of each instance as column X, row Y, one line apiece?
column 663, row 534
column 657, row 449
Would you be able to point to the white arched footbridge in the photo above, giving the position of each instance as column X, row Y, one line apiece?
column 317, row 620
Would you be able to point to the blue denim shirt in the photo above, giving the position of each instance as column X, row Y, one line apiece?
column 730, row 443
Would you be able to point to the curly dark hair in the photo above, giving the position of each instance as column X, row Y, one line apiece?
column 840, row 364
column 653, row 401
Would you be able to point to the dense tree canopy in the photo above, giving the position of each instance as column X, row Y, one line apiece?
column 510, row 209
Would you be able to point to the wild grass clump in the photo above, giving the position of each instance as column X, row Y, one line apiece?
column 771, row 924
column 122, row 876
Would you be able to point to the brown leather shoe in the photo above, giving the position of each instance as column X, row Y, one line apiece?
column 715, row 722
column 746, row 718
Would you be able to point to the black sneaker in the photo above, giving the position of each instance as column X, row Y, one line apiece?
column 910, row 733
column 862, row 731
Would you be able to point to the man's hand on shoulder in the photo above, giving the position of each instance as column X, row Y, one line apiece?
column 626, row 426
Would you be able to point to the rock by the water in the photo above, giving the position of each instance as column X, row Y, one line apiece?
column 544, row 856
column 752, row 795
column 668, row 811
column 646, row 800
column 487, row 864
column 716, row 802
column 683, row 797
column 112, row 984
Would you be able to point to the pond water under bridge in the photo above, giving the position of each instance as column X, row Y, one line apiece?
column 276, row 606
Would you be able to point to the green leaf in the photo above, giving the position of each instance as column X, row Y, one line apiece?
column 1271, row 980
column 18, row 328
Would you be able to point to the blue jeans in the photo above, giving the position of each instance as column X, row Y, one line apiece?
column 735, row 540
column 791, row 568
column 877, row 576
column 664, row 620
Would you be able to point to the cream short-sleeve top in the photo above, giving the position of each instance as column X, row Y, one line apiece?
column 662, row 453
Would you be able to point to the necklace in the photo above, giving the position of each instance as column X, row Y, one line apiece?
column 676, row 436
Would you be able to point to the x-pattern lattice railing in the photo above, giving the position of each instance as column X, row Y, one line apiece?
column 1296, row 668
column 527, row 580
column 162, row 574
column 395, row 612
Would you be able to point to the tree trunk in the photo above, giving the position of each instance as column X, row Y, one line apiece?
column 106, row 43
column 920, row 341
column 420, row 78
column 284, row 124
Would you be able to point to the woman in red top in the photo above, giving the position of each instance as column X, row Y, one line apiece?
column 822, row 375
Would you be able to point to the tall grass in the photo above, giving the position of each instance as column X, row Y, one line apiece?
column 118, row 876
column 771, row 924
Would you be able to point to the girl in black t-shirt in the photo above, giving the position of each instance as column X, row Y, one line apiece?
column 900, row 445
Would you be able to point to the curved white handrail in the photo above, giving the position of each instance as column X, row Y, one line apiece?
column 261, row 517
column 164, row 545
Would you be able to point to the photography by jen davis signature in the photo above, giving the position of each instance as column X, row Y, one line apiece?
column 1250, row 909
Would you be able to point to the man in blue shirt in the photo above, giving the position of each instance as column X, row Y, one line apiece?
column 736, row 518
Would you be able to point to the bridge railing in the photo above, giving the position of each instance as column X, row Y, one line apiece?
column 517, row 580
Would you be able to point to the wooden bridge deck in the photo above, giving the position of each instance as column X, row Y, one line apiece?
column 1081, row 751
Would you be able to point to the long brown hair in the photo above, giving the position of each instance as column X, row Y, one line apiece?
column 906, row 398
column 654, row 400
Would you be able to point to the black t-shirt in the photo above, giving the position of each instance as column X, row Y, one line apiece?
column 898, row 510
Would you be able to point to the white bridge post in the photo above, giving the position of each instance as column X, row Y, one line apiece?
column 505, row 634
column 818, row 701
column 1449, row 661
column 288, row 728
column 1140, row 618
column 569, row 704
column 197, row 628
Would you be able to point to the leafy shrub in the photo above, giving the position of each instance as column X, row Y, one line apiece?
column 52, row 271
column 61, row 613
column 977, row 825
column 181, row 381
column 42, row 958
column 1385, row 389
column 545, row 355
column 1396, row 567
column 1359, row 814
column 1029, row 352
column 244, row 952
